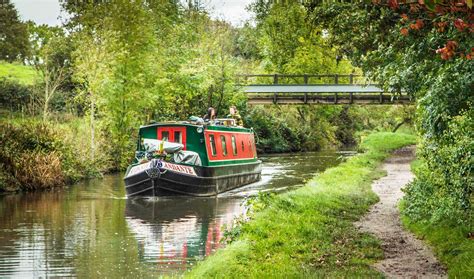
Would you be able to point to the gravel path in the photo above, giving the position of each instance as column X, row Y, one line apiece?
column 405, row 256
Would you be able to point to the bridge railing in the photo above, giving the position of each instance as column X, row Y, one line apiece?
column 256, row 79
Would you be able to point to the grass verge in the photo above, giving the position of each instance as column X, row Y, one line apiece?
column 25, row 75
column 453, row 244
column 309, row 232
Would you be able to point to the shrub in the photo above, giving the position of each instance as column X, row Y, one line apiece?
column 443, row 189
column 13, row 95
column 36, row 170
column 34, row 156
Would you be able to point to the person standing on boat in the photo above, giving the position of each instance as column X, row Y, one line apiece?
column 210, row 115
column 234, row 113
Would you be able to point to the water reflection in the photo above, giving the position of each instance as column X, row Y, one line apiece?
column 91, row 230
column 176, row 232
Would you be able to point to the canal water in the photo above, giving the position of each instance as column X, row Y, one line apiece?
column 91, row 229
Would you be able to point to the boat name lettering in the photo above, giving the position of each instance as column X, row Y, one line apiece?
column 139, row 168
column 179, row 168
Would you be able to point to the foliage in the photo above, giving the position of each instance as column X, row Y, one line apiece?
column 51, row 51
column 15, row 96
column 303, row 128
column 453, row 245
column 35, row 156
column 309, row 232
column 121, row 64
column 290, row 44
column 424, row 49
column 443, row 189
column 14, row 44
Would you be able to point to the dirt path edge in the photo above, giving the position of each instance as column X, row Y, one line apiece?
column 405, row 255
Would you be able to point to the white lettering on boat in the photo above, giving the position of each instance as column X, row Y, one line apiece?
column 169, row 166
column 179, row 168
column 139, row 168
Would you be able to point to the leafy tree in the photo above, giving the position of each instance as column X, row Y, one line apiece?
column 246, row 42
column 216, row 66
column 282, row 29
column 93, row 63
column 289, row 43
column 424, row 48
column 121, row 85
column 51, row 50
column 14, row 43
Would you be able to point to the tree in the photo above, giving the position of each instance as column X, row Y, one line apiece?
column 289, row 43
column 119, row 37
column 14, row 43
column 93, row 62
column 216, row 66
column 424, row 48
column 51, row 58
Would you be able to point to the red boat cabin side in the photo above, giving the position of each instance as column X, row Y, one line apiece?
column 221, row 146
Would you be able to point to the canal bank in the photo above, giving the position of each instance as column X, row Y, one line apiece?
column 310, row 231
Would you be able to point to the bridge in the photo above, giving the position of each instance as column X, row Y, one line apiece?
column 316, row 89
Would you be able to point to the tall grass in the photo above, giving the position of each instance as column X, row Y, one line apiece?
column 309, row 232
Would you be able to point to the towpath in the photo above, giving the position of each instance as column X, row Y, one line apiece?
column 405, row 255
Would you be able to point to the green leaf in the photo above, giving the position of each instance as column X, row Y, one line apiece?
column 430, row 4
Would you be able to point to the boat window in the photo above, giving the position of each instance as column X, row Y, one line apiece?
column 177, row 137
column 224, row 146
column 212, row 143
column 234, row 145
column 243, row 146
column 165, row 135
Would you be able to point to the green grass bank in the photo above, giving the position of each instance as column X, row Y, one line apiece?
column 22, row 74
column 309, row 232
column 452, row 243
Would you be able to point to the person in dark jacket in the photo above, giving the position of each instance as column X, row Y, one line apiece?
column 210, row 115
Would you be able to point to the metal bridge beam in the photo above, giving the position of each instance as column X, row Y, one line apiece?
column 313, row 88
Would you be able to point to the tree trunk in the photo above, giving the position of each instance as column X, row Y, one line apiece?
column 92, row 119
column 46, row 103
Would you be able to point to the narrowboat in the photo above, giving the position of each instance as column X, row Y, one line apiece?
column 192, row 158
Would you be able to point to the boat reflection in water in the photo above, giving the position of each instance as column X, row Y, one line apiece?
column 176, row 232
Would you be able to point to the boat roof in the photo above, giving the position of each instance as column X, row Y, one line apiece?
column 206, row 126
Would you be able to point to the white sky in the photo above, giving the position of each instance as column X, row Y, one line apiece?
column 48, row 11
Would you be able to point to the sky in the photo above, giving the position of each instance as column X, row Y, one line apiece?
column 48, row 11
